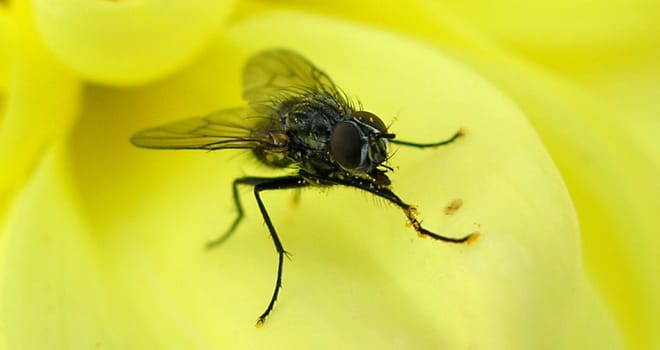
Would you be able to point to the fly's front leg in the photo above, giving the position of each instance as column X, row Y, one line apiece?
column 387, row 194
column 411, row 213
column 458, row 134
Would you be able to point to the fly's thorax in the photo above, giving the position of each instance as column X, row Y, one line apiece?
column 308, row 122
column 311, row 120
column 359, row 143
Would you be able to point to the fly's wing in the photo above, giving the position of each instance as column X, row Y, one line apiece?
column 275, row 76
column 224, row 129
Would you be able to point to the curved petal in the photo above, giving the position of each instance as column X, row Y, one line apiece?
column 128, row 42
column 115, row 258
column 40, row 105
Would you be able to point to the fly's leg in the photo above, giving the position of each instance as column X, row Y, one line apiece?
column 239, row 209
column 263, row 184
column 458, row 134
column 275, row 184
column 386, row 193
column 251, row 181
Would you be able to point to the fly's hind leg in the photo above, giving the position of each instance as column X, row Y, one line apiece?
column 239, row 214
column 249, row 181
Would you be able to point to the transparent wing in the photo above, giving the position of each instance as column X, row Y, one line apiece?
column 224, row 129
column 279, row 75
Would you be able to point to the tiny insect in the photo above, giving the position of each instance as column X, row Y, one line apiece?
column 298, row 119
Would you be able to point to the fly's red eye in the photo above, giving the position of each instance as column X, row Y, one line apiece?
column 346, row 145
column 371, row 120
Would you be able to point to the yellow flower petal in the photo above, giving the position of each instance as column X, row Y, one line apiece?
column 41, row 102
column 568, row 34
column 55, row 284
column 135, row 221
column 601, row 128
column 6, row 43
column 128, row 42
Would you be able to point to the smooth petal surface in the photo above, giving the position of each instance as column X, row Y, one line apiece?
column 7, row 35
column 128, row 42
column 611, row 176
column 596, row 111
column 124, row 250
column 54, row 283
column 39, row 105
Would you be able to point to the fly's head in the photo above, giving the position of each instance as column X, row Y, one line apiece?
column 359, row 145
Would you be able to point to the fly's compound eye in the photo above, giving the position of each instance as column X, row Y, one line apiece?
column 347, row 145
column 370, row 119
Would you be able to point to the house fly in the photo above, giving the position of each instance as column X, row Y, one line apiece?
column 296, row 118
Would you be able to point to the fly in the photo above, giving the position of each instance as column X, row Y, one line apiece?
column 296, row 118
